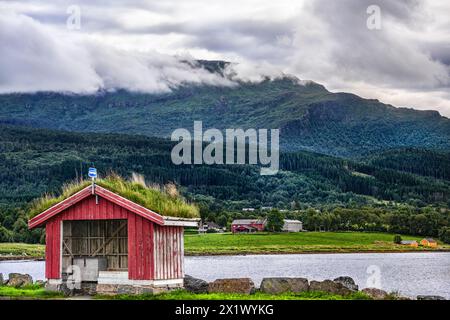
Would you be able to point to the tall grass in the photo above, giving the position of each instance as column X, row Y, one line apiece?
column 164, row 200
column 30, row 292
column 48, row 200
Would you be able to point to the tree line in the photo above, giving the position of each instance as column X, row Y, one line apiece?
column 370, row 191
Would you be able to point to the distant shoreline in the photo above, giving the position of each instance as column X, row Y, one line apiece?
column 313, row 252
column 18, row 258
column 227, row 244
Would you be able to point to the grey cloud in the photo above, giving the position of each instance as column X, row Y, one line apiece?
column 438, row 51
column 407, row 62
column 35, row 59
column 384, row 57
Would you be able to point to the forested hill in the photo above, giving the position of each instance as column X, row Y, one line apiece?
column 34, row 161
column 310, row 117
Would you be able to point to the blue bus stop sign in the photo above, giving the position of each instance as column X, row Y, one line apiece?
column 92, row 173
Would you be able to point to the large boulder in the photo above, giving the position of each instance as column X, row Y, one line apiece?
column 195, row 285
column 87, row 289
column 422, row 297
column 281, row 285
column 347, row 282
column 375, row 293
column 107, row 289
column 19, row 280
column 114, row 289
column 329, row 287
column 132, row 290
column 239, row 285
column 1, row 279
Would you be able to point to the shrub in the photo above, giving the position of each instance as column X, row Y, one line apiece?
column 275, row 221
column 5, row 235
column 397, row 239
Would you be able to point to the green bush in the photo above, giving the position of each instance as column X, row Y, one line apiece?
column 5, row 234
column 397, row 239
column 275, row 221
column 444, row 234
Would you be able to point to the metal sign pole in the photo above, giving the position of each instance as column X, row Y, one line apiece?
column 93, row 174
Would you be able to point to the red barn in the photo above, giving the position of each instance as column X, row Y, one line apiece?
column 247, row 225
column 98, row 237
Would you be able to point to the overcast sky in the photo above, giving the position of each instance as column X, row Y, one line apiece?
column 138, row 45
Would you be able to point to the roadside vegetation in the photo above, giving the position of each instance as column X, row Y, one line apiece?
column 33, row 291
column 38, row 292
column 184, row 295
column 164, row 200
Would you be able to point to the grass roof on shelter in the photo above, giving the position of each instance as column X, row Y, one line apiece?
column 163, row 200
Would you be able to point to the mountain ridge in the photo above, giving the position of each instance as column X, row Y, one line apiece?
column 308, row 115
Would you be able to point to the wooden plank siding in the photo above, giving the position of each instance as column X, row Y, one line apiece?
column 154, row 251
column 169, row 253
column 53, row 249
column 140, row 248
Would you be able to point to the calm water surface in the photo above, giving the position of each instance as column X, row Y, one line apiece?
column 409, row 273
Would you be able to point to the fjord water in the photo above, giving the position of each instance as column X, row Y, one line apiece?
column 410, row 274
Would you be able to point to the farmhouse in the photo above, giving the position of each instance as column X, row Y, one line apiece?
column 428, row 242
column 411, row 243
column 209, row 227
column 292, row 225
column 101, row 238
column 247, row 225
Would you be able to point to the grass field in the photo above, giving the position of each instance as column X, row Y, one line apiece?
column 305, row 242
column 226, row 243
column 22, row 250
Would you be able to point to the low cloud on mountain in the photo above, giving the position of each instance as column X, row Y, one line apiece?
column 35, row 59
column 140, row 45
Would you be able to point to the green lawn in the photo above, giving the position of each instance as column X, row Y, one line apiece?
column 295, row 243
column 183, row 295
column 37, row 292
column 305, row 242
column 22, row 250
column 31, row 291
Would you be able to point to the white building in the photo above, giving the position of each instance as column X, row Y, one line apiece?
column 292, row 226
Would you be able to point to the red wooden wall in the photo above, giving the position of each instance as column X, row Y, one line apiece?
column 53, row 248
column 140, row 248
column 142, row 263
